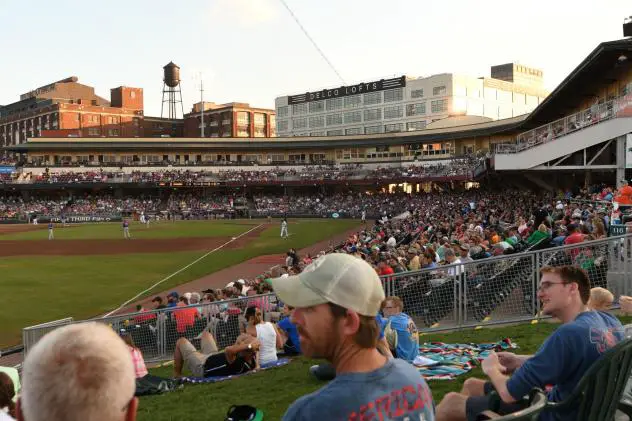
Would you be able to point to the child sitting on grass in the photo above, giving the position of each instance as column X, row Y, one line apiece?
column 600, row 299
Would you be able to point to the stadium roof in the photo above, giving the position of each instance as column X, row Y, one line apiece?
column 585, row 81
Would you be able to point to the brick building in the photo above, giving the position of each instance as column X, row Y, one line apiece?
column 69, row 108
column 234, row 119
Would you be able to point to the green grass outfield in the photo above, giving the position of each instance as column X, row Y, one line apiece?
column 274, row 390
column 43, row 288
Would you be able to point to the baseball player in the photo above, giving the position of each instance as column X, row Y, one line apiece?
column 142, row 217
column 51, row 236
column 364, row 216
column 126, row 229
column 284, row 233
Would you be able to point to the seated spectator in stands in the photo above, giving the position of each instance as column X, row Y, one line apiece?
column 142, row 318
column 400, row 330
column 172, row 299
column 573, row 235
column 235, row 359
column 600, row 299
column 336, row 299
column 137, row 356
column 184, row 317
column 538, row 235
column 561, row 361
column 266, row 333
column 78, row 372
column 159, row 304
column 291, row 345
column 7, row 395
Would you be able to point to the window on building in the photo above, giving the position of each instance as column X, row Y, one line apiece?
column 282, row 125
column 296, row 157
column 132, row 94
column 417, row 93
column 113, row 132
column 282, row 111
column 317, row 106
column 318, row 134
column 415, row 125
column 393, row 95
column 372, row 129
column 393, row 112
column 353, row 117
column 373, row 98
column 94, row 131
column 373, row 115
column 439, row 90
column 416, row 109
column 260, row 119
column 353, row 101
column 299, row 123
column 439, row 106
column 243, row 118
column 334, row 104
column 317, row 121
column 334, row 132
column 242, row 132
column 353, row 131
column 260, row 131
column 298, row 109
column 334, row 119
column 391, row 128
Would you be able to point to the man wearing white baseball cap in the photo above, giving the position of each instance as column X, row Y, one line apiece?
column 335, row 301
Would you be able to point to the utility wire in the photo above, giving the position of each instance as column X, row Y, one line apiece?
column 312, row 41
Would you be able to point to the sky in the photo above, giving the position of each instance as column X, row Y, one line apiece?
column 253, row 51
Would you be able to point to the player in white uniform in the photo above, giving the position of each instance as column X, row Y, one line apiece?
column 284, row 233
column 363, row 215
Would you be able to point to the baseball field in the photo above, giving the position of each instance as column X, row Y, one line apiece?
column 89, row 269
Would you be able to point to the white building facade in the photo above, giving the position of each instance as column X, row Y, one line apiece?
column 405, row 104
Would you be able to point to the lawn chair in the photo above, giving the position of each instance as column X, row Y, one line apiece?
column 537, row 402
column 599, row 393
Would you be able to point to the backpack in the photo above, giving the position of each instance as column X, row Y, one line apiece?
column 243, row 413
column 154, row 385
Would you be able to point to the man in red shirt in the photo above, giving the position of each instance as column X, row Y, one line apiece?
column 385, row 269
column 574, row 235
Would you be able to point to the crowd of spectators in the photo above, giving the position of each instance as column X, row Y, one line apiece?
column 462, row 166
column 182, row 205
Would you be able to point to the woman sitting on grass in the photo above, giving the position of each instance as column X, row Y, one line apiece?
column 137, row 356
column 7, row 392
column 266, row 333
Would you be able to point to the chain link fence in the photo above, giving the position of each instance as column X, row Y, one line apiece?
column 482, row 292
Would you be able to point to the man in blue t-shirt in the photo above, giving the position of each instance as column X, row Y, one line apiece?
column 335, row 301
column 561, row 361
column 400, row 330
column 292, row 346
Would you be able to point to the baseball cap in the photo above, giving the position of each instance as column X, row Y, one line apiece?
column 336, row 278
column 173, row 294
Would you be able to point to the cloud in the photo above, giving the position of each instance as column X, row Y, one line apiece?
column 244, row 12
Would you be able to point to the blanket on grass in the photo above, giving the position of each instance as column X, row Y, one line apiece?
column 441, row 361
column 196, row 380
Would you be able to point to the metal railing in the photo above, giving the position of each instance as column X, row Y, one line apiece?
column 566, row 125
column 483, row 292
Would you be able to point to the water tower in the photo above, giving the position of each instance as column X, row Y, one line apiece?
column 171, row 92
